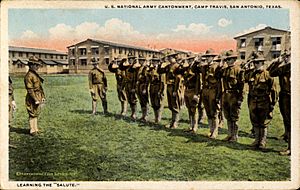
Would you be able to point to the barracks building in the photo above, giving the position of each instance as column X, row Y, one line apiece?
column 80, row 54
column 53, row 61
column 270, row 41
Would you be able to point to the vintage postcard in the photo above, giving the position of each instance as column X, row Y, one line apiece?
column 149, row 94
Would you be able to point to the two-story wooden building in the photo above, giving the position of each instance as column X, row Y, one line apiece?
column 80, row 54
column 53, row 61
column 270, row 41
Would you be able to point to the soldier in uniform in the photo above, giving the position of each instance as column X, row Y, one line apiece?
column 142, row 86
column 281, row 68
column 130, row 82
column 12, row 106
column 192, row 91
column 98, row 86
column 211, row 90
column 232, row 96
column 35, row 97
column 120, row 78
column 175, row 87
column 261, row 99
column 157, row 87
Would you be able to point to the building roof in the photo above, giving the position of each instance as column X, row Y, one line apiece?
column 116, row 45
column 258, row 30
column 35, row 50
column 46, row 62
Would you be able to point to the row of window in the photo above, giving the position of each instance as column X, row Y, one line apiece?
column 259, row 42
column 274, row 54
column 39, row 55
column 95, row 51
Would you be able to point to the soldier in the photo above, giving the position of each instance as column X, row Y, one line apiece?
column 12, row 106
column 281, row 68
column 192, row 91
column 211, row 90
column 130, row 82
column 261, row 99
column 157, row 87
column 98, row 86
column 175, row 87
column 35, row 97
column 120, row 78
column 142, row 86
column 232, row 96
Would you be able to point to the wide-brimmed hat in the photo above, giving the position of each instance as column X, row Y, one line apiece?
column 209, row 53
column 130, row 55
column 258, row 57
column 188, row 57
column 33, row 60
column 171, row 54
column 218, row 58
column 230, row 54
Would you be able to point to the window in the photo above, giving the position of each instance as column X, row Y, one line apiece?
column 95, row 51
column 276, row 43
column 72, row 61
column 120, row 51
column 258, row 43
column 73, row 51
column 51, row 56
column 46, row 56
column 56, row 56
column 26, row 54
column 20, row 54
column 83, row 62
column 13, row 54
column 51, row 65
column 106, row 50
column 242, row 55
column 82, row 51
column 243, row 42
column 275, row 54
column 61, row 57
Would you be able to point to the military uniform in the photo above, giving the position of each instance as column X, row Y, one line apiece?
column 192, row 84
column 12, row 104
column 98, row 86
column 232, row 96
column 120, row 78
column 35, row 94
column 211, row 92
column 130, row 84
column 283, row 70
column 157, row 87
column 142, row 87
column 261, row 101
column 175, row 89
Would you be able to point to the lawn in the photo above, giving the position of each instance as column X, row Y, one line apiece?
column 77, row 146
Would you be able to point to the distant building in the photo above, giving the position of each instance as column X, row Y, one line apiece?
column 270, row 41
column 182, row 54
column 80, row 54
column 53, row 61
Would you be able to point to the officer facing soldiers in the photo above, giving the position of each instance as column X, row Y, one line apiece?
column 120, row 78
column 157, row 87
column 192, row 92
column 261, row 99
column 97, row 86
column 281, row 68
column 232, row 97
column 12, row 106
column 35, row 97
column 175, row 88
column 211, row 90
column 142, row 86
column 130, row 82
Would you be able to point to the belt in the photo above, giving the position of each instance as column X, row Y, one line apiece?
column 230, row 91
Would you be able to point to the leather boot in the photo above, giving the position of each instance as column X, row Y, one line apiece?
column 210, row 127
column 133, row 111
column 215, row 128
column 156, row 116
column 256, row 130
column 124, row 108
column 234, row 135
column 263, row 138
column 175, row 120
column 104, row 105
column 94, row 106
column 287, row 152
column 159, row 112
column 195, row 122
column 229, row 133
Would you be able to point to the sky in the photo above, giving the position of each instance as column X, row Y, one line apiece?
column 185, row 29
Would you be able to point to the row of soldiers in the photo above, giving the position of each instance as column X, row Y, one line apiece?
column 215, row 80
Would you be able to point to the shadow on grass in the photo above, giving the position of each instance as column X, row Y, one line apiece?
column 19, row 130
column 193, row 138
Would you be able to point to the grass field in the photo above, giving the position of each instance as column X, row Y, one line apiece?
column 77, row 146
